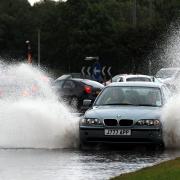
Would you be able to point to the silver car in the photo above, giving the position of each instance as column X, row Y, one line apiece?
column 132, row 77
column 125, row 113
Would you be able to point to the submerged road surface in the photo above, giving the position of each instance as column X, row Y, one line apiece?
column 40, row 164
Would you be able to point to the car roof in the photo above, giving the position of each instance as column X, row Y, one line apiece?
column 85, row 80
column 76, row 79
column 80, row 80
column 68, row 76
column 137, row 83
column 135, row 75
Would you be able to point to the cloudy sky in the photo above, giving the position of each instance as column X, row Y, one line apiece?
column 33, row 1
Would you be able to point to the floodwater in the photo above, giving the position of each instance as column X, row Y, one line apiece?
column 39, row 135
column 44, row 164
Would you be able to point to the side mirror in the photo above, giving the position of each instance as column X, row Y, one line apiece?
column 87, row 102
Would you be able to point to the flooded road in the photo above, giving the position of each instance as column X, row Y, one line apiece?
column 41, row 164
column 34, row 124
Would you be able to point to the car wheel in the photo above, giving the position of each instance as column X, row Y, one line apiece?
column 74, row 103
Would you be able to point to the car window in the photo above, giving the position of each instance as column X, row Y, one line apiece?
column 139, row 79
column 58, row 83
column 137, row 96
column 69, row 84
column 120, row 79
column 115, row 78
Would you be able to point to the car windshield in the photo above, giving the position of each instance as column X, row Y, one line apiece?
column 136, row 96
column 165, row 73
column 58, row 83
column 139, row 79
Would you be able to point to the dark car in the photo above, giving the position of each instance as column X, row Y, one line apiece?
column 68, row 76
column 75, row 90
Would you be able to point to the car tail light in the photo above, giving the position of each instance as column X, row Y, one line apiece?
column 87, row 89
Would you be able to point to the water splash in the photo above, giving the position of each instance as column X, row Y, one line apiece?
column 171, row 122
column 33, row 117
column 170, row 57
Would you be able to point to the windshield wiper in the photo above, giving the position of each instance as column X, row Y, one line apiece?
column 119, row 104
column 148, row 105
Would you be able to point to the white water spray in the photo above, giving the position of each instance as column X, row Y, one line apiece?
column 171, row 123
column 30, row 114
column 171, row 112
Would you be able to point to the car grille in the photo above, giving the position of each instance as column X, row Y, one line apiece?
column 110, row 122
column 126, row 122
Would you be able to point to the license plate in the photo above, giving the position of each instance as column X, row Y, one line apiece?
column 117, row 132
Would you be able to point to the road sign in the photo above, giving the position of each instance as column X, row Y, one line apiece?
column 97, row 71
column 82, row 71
column 103, row 71
column 88, row 70
column 109, row 71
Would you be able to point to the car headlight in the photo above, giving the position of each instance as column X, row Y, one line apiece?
column 90, row 121
column 148, row 122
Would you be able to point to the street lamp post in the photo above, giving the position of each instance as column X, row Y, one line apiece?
column 29, row 56
column 134, row 13
column 39, row 47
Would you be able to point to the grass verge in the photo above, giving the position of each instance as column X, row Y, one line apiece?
column 169, row 170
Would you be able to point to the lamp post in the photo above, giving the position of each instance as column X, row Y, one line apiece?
column 39, row 47
column 134, row 13
column 29, row 55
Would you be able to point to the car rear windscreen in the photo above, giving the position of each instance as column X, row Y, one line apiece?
column 139, row 79
column 92, row 83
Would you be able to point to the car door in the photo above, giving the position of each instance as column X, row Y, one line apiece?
column 57, row 86
column 68, row 90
